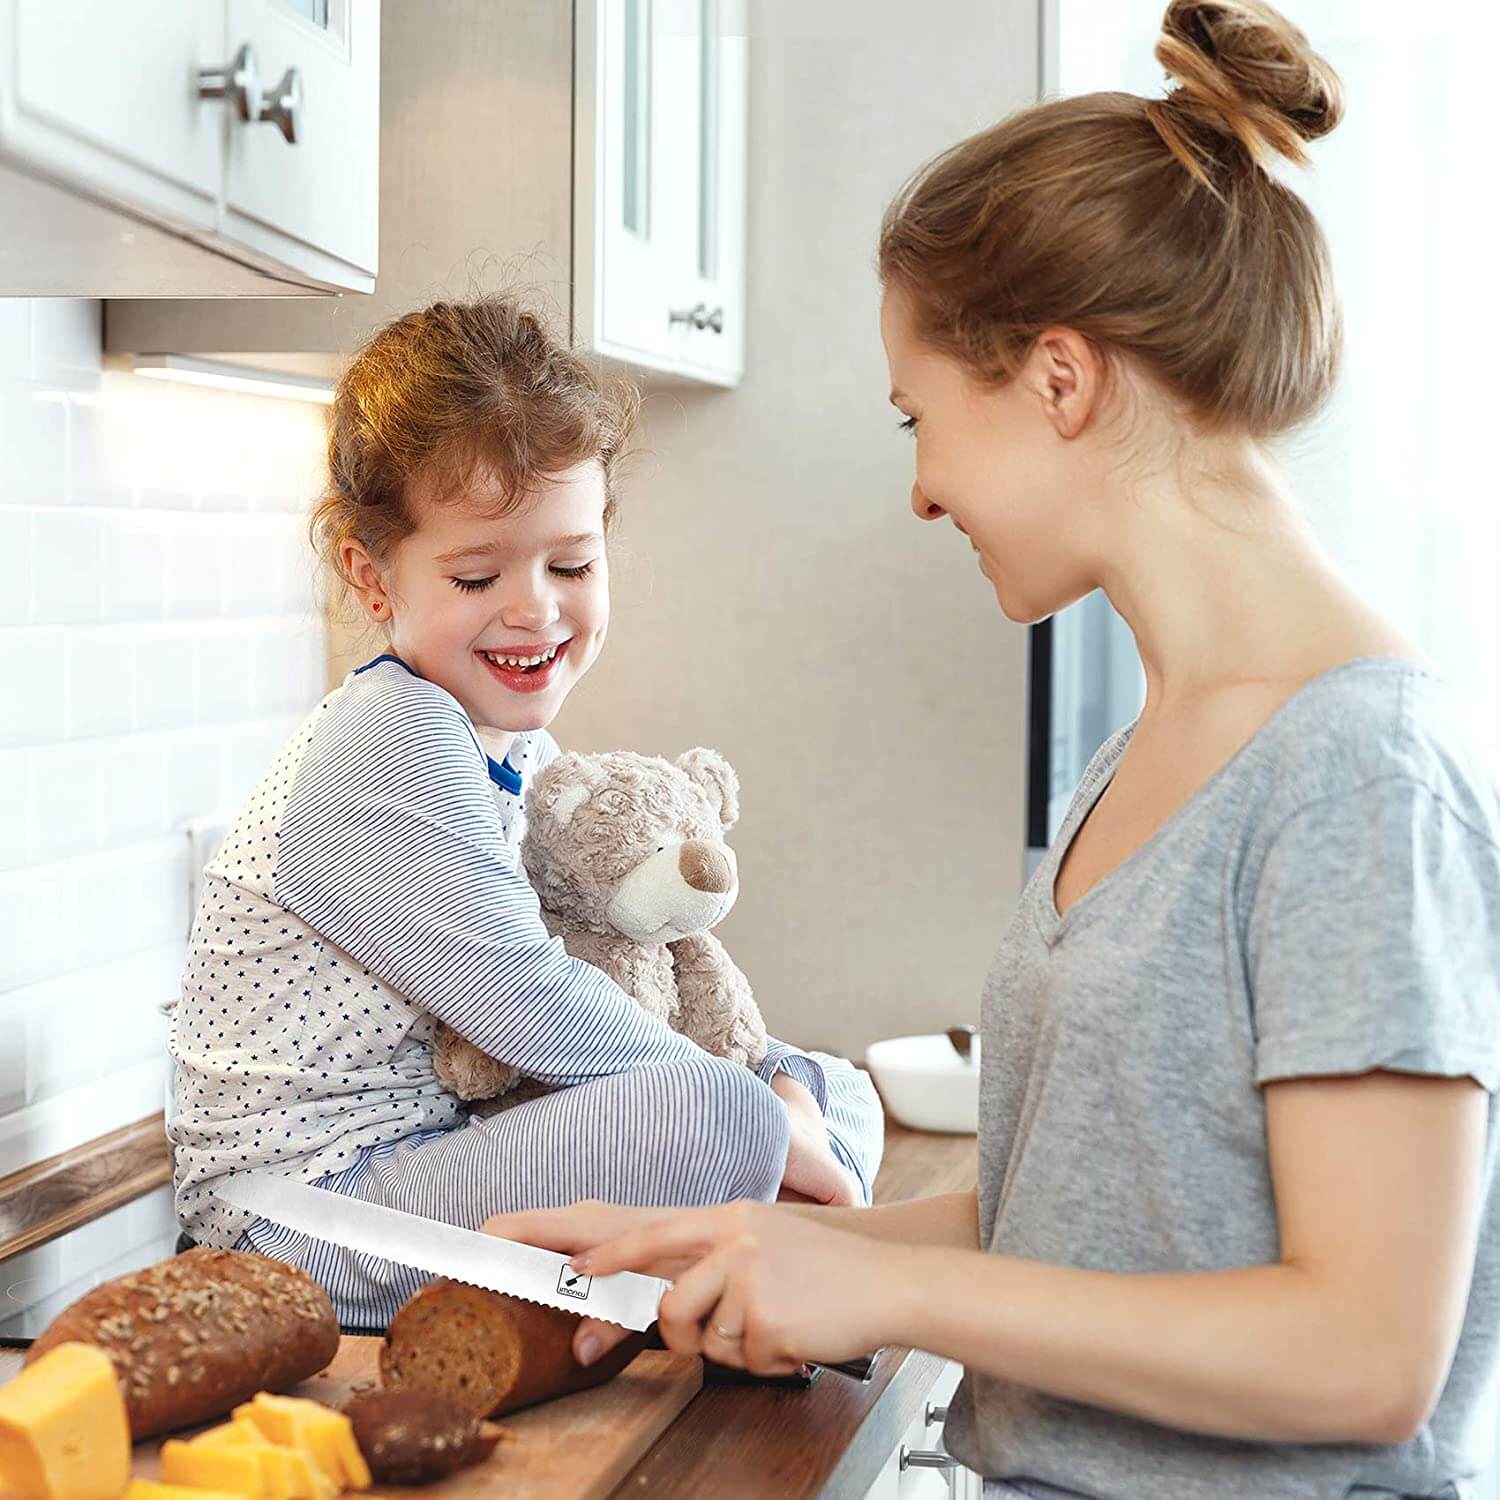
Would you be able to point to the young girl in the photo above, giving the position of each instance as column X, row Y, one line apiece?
column 372, row 882
column 1235, row 1232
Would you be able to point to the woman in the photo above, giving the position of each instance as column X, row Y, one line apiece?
column 1232, row 1234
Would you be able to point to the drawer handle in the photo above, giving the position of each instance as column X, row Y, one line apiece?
column 920, row 1458
column 936, row 1415
column 239, row 82
column 697, row 317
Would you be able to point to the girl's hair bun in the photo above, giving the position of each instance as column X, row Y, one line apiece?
column 1244, row 73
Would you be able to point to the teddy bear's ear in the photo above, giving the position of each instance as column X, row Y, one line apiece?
column 715, row 777
column 561, row 789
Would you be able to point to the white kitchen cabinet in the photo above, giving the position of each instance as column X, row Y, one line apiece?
column 128, row 168
column 659, row 185
column 903, row 1479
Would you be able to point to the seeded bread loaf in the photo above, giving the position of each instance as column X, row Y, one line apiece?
column 492, row 1353
column 192, row 1336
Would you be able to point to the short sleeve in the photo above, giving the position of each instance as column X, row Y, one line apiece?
column 1374, row 940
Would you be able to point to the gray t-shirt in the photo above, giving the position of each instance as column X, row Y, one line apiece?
column 1328, row 903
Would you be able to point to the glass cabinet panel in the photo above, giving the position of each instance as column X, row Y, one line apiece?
column 709, row 96
column 636, row 124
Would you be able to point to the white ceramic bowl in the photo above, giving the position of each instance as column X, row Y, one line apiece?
column 926, row 1085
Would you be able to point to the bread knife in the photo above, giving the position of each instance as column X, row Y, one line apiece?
column 484, row 1260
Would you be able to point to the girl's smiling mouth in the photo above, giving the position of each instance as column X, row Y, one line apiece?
column 525, row 669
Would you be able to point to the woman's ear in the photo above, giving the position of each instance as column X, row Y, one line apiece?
column 715, row 777
column 1068, row 372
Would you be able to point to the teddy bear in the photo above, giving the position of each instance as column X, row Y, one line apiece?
column 627, row 856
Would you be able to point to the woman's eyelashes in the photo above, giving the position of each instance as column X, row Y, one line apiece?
column 476, row 585
column 909, row 425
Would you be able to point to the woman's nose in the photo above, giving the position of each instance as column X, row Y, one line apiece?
column 923, row 508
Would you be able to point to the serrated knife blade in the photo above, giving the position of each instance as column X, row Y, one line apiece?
column 626, row 1298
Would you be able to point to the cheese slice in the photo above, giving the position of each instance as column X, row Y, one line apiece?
column 326, row 1435
column 150, row 1489
column 63, row 1430
column 285, row 1473
column 212, row 1466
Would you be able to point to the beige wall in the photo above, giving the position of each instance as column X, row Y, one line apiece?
column 774, row 596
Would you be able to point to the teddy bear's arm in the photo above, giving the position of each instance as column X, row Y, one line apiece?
column 464, row 1070
column 717, row 1008
column 643, row 971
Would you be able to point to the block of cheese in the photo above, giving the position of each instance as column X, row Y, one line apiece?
column 325, row 1434
column 64, row 1434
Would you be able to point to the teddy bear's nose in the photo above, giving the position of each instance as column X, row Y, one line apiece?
column 705, row 867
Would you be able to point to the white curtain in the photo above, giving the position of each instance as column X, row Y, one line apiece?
column 1398, row 475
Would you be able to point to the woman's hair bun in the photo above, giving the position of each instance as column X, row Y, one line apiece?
column 1242, row 71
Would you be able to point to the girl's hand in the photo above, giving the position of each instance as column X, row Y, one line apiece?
column 812, row 1173
column 755, row 1286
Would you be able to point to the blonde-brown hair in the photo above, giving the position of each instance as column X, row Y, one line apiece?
column 1149, row 226
column 459, row 389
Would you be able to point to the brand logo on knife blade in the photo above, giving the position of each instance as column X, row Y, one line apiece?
column 571, row 1284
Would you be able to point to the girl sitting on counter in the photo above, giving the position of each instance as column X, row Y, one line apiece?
column 372, row 881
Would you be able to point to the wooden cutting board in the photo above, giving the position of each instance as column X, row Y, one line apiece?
column 581, row 1445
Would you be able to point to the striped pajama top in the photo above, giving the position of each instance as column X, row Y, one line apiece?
column 371, row 884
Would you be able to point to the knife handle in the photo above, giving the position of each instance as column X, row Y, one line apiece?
column 856, row 1369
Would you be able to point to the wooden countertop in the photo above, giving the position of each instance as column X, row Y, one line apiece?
column 832, row 1439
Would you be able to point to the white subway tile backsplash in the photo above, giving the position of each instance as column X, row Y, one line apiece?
column 33, row 946
column 135, row 566
column 133, row 789
column 33, row 447
column 100, row 681
column 15, row 802
column 160, row 636
column 104, row 443
column 251, row 563
column 15, row 338
column 195, row 566
column 64, row 811
column 163, row 676
column 197, row 776
column 66, row 334
column 67, row 560
column 221, row 675
column 31, row 667
column 15, row 566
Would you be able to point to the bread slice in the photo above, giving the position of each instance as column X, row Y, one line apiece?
column 491, row 1353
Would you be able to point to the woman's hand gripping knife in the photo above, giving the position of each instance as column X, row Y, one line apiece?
column 747, row 1276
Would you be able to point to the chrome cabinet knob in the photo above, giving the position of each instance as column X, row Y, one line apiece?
column 697, row 316
column 920, row 1458
column 935, row 1415
column 284, row 108
column 239, row 82
column 715, row 320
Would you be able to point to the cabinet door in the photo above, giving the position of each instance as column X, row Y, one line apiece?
column 323, row 191
column 709, row 272
column 641, row 214
column 104, row 98
column 659, row 172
